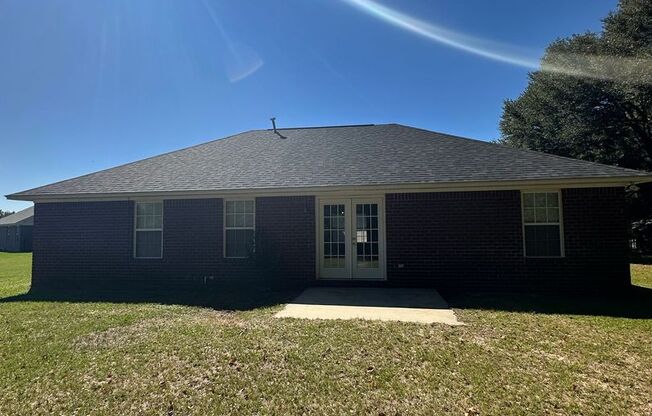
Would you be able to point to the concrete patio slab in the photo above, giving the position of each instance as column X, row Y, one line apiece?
column 383, row 304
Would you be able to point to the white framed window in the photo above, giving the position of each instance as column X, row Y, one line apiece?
column 148, row 230
column 542, row 224
column 239, row 228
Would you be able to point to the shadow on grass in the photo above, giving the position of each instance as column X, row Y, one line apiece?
column 635, row 303
column 219, row 298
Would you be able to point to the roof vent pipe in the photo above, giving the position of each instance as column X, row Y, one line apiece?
column 274, row 127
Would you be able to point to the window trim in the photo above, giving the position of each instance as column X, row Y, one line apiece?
column 224, row 227
column 562, row 247
column 136, row 230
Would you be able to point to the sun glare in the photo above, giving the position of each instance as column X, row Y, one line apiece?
column 591, row 66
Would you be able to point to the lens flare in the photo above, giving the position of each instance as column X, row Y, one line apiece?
column 625, row 69
column 241, row 61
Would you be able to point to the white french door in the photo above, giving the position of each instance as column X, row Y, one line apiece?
column 351, row 238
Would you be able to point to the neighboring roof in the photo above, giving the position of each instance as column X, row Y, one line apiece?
column 24, row 217
column 387, row 154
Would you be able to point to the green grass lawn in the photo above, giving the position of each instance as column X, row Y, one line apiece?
column 61, row 357
column 642, row 275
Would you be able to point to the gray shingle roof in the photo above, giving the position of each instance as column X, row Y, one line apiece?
column 24, row 217
column 329, row 156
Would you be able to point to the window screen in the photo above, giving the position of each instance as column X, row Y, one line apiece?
column 149, row 230
column 542, row 225
column 239, row 228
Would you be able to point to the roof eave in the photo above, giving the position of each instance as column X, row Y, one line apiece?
column 385, row 188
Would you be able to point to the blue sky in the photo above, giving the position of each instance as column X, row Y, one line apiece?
column 86, row 85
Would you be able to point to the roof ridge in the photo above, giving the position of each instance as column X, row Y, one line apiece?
column 321, row 127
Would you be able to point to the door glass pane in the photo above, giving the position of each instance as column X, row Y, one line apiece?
column 249, row 206
column 333, row 237
column 249, row 219
column 366, row 236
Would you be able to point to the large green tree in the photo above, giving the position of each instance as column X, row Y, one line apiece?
column 592, row 98
column 607, row 120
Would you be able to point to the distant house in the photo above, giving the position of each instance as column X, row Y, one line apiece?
column 16, row 231
column 388, row 204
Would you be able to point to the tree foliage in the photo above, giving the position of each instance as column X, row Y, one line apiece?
column 603, row 119
column 5, row 213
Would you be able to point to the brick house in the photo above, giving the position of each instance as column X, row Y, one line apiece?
column 16, row 231
column 388, row 204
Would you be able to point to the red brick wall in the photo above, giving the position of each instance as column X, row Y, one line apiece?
column 93, row 241
column 454, row 239
column 450, row 240
column 474, row 241
column 285, row 236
